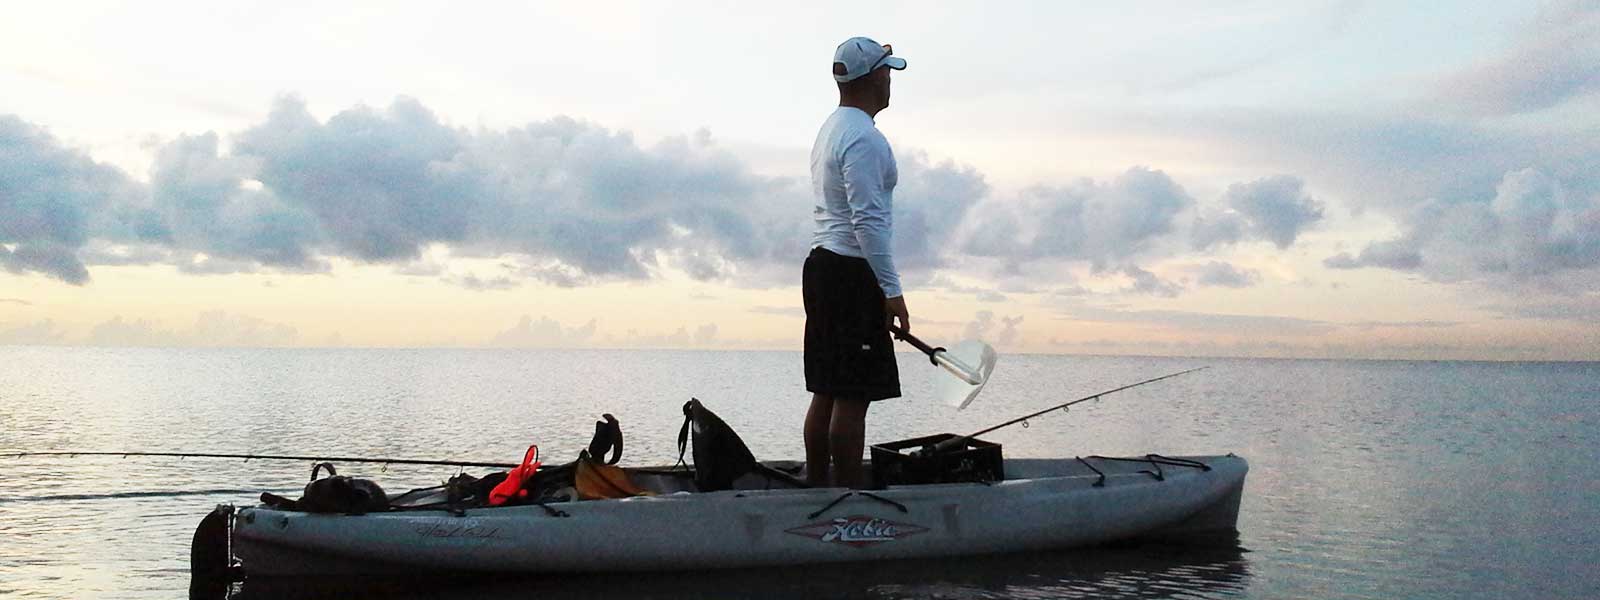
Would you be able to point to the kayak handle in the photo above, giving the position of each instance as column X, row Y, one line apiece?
column 941, row 357
column 906, row 336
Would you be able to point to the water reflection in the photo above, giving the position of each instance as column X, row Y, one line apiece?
column 1144, row 571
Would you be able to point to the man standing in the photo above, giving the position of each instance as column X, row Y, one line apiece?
column 849, row 283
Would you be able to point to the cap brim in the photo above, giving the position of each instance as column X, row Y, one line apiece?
column 895, row 62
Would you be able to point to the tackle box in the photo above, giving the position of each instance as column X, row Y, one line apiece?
column 914, row 461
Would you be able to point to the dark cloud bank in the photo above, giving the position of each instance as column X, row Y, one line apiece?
column 562, row 201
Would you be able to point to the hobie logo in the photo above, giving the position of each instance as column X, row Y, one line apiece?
column 857, row 531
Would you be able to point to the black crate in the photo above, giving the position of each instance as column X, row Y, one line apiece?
column 906, row 462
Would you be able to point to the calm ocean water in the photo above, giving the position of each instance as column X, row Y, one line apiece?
column 1368, row 479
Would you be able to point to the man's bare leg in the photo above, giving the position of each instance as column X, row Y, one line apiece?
column 818, row 420
column 846, row 436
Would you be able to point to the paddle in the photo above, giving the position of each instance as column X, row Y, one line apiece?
column 971, row 361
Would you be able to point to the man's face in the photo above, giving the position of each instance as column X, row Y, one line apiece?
column 880, row 82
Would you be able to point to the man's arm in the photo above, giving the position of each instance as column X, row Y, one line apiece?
column 864, row 166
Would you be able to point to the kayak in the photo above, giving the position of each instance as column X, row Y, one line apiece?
column 762, row 521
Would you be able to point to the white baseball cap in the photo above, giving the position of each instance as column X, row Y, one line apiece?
column 861, row 55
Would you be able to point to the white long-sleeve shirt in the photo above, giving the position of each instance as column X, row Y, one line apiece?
column 853, row 175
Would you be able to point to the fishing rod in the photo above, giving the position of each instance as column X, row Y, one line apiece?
column 957, row 442
column 248, row 457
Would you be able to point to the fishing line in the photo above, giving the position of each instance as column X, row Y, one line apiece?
column 249, row 457
column 957, row 442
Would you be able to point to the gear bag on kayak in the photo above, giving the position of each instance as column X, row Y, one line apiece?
column 719, row 455
column 334, row 494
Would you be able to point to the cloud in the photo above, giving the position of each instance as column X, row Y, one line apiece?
column 15, row 301
column 382, row 184
column 705, row 335
column 580, row 200
column 929, row 205
column 544, row 333
column 982, row 293
column 1272, row 208
column 1222, row 274
column 216, row 329
column 991, row 296
column 43, row 332
column 107, row 253
column 786, row 311
column 1103, row 224
column 422, row 268
column 1217, row 227
column 1210, row 323
column 1070, row 291
column 202, row 264
column 211, row 205
column 1392, row 254
column 568, row 203
column 596, row 202
column 575, row 201
column 140, row 332
column 1474, row 202
column 1135, row 217
column 1279, row 348
column 983, row 322
column 52, row 201
column 220, row 328
column 1579, row 309
column 1146, row 283
column 1533, row 226
column 1555, row 57
column 56, row 260
column 475, row 283
column 1390, row 161
column 676, row 339
column 1423, row 324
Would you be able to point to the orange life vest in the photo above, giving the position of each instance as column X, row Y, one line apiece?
column 512, row 487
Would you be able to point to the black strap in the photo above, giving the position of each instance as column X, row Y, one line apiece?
column 1157, row 458
column 554, row 512
column 683, row 432
column 1178, row 462
column 320, row 466
column 1158, row 473
column 1155, row 461
column 278, row 502
column 1101, row 482
column 848, row 494
column 607, row 438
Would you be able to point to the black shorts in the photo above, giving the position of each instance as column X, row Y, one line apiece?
column 848, row 351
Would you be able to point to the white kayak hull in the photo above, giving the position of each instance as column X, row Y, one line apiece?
column 1043, row 504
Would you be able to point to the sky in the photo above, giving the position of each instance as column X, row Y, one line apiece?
column 1318, row 180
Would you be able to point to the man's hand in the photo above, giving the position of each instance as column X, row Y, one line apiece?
column 896, row 309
